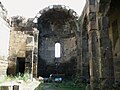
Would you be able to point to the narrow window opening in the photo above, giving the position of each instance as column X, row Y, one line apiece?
column 57, row 50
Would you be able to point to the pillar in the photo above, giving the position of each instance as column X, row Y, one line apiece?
column 94, row 60
column 107, row 69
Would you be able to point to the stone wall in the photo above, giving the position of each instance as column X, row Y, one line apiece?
column 17, row 43
column 69, row 48
column 114, row 34
column 17, row 48
column 23, row 48
column 3, row 67
column 4, row 42
column 96, row 22
column 56, row 29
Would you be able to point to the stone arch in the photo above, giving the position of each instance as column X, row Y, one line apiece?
column 57, row 23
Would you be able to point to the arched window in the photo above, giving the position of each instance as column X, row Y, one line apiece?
column 57, row 50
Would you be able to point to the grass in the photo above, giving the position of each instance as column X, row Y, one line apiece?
column 71, row 89
column 70, row 86
column 62, row 86
column 23, row 77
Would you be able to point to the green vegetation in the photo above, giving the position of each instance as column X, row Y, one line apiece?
column 23, row 77
column 70, row 86
column 62, row 86
column 74, row 83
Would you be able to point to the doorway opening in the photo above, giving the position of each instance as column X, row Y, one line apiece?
column 20, row 65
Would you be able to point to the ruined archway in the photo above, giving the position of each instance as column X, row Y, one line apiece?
column 57, row 23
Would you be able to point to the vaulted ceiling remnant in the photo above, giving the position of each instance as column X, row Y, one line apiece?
column 57, row 16
column 57, row 12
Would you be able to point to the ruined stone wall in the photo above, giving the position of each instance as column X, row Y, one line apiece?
column 57, row 25
column 17, row 48
column 47, row 60
column 69, row 48
column 4, row 33
column 114, row 34
column 57, row 33
column 47, row 49
column 18, row 43
column 23, row 45
column 4, row 41
column 3, row 67
column 96, row 23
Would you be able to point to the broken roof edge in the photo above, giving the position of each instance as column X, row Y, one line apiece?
column 56, row 7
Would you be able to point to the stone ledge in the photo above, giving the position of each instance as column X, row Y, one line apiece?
column 13, row 85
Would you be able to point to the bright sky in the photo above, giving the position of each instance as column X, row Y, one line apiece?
column 57, row 50
column 29, row 8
